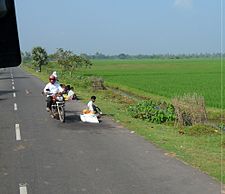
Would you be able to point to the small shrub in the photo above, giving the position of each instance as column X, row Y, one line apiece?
column 189, row 109
column 97, row 83
column 200, row 129
column 80, row 81
column 153, row 111
column 221, row 126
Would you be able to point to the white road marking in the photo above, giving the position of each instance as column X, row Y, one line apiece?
column 15, row 106
column 17, row 129
column 12, row 83
column 23, row 189
column 14, row 95
column 13, row 87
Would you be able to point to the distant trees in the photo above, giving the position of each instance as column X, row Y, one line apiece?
column 156, row 56
column 26, row 56
column 123, row 56
column 39, row 57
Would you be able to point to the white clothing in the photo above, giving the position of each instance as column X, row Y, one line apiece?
column 90, row 106
column 71, row 93
column 90, row 118
column 54, row 74
column 53, row 88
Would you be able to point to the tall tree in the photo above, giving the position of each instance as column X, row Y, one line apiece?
column 69, row 61
column 39, row 57
column 64, row 58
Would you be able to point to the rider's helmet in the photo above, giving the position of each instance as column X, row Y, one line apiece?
column 52, row 79
column 54, row 74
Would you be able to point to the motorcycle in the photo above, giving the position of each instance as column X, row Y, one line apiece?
column 58, row 108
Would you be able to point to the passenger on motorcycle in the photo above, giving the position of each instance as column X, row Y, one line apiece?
column 51, row 89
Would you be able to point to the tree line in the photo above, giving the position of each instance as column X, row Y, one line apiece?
column 155, row 56
column 66, row 59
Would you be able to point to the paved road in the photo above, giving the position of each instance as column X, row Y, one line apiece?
column 40, row 155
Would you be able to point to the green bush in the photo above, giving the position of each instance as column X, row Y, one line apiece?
column 76, row 81
column 156, row 112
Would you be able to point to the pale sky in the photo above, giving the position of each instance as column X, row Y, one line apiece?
column 122, row 26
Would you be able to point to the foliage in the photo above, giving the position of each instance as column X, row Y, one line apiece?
column 26, row 56
column 64, row 58
column 152, row 111
column 39, row 57
column 200, row 129
column 190, row 109
column 221, row 126
column 97, row 83
column 83, row 82
column 68, row 61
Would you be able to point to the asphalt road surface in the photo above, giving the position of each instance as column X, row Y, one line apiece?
column 40, row 155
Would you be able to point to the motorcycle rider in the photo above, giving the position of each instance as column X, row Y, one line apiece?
column 51, row 89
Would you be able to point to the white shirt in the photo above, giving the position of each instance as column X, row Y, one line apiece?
column 71, row 93
column 90, row 105
column 53, row 88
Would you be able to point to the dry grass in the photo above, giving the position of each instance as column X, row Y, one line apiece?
column 190, row 109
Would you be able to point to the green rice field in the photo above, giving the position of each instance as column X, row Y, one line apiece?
column 167, row 78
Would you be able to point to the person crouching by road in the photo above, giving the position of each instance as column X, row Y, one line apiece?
column 51, row 89
column 92, row 108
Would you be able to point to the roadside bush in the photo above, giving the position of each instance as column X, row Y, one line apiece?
column 190, row 109
column 97, row 83
column 200, row 129
column 82, row 81
column 152, row 111
column 221, row 126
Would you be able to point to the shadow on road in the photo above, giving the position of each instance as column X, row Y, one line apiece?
column 72, row 118
column 5, row 78
column 2, row 92
column 74, row 123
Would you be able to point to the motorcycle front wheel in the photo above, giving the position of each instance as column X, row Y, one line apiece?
column 61, row 114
